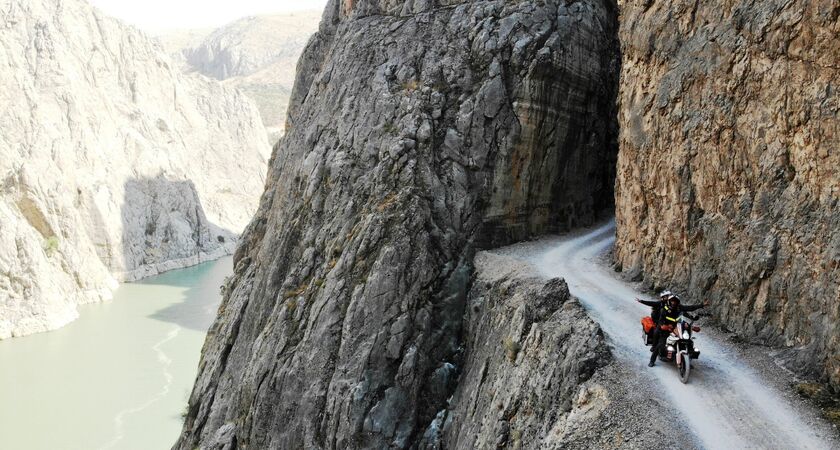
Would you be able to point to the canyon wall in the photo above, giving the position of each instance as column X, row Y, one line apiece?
column 728, row 184
column 113, row 165
column 529, row 351
column 418, row 131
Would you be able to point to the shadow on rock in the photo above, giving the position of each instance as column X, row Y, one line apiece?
column 164, row 227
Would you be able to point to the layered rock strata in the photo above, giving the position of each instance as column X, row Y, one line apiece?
column 417, row 132
column 113, row 165
column 728, row 184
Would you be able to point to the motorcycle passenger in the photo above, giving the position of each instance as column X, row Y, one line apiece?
column 656, row 306
column 670, row 311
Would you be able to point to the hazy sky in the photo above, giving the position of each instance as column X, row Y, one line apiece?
column 156, row 15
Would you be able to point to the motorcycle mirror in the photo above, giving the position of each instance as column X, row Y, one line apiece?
column 695, row 329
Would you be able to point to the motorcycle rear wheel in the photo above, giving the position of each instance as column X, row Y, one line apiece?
column 685, row 368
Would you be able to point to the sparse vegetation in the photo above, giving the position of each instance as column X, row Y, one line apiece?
column 511, row 347
column 516, row 438
column 352, row 232
column 411, row 85
column 389, row 200
column 810, row 390
column 51, row 245
column 389, row 127
column 295, row 292
column 833, row 415
column 824, row 398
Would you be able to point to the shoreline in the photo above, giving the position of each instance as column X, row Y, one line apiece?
column 69, row 313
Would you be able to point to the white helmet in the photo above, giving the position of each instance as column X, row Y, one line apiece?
column 665, row 294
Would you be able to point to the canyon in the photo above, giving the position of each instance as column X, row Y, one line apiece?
column 420, row 132
column 399, row 282
column 416, row 134
column 114, row 166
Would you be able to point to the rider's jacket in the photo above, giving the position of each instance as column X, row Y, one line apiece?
column 663, row 314
column 656, row 308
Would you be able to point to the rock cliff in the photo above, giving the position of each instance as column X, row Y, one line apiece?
column 113, row 165
column 528, row 349
column 728, row 184
column 417, row 132
column 537, row 372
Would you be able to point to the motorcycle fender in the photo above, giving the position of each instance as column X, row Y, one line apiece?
column 680, row 356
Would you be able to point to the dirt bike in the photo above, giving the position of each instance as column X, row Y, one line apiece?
column 679, row 345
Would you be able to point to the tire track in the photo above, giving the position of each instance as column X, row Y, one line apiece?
column 725, row 403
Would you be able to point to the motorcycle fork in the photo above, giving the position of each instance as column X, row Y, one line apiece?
column 677, row 354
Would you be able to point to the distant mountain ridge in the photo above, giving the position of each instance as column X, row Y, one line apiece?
column 256, row 54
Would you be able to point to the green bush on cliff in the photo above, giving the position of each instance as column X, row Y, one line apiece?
column 51, row 245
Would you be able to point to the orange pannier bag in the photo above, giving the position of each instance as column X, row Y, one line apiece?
column 647, row 324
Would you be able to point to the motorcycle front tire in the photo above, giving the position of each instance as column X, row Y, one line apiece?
column 685, row 368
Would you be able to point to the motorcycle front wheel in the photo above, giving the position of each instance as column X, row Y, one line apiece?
column 685, row 368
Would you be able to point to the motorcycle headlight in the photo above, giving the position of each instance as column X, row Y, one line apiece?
column 686, row 335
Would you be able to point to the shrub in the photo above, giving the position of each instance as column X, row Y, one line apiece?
column 411, row 85
column 511, row 347
column 389, row 128
column 51, row 245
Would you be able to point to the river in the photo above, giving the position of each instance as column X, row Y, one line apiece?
column 118, row 377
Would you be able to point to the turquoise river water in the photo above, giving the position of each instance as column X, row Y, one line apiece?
column 119, row 376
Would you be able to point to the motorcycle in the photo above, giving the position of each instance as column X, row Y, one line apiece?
column 679, row 345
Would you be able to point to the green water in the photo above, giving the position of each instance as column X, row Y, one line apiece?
column 119, row 376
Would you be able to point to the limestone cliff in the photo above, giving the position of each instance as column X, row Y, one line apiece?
column 113, row 165
column 728, row 183
column 418, row 131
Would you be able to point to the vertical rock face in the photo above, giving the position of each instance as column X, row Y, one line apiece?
column 728, row 182
column 528, row 347
column 417, row 132
column 112, row 164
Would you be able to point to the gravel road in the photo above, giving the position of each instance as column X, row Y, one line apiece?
column 734, row 399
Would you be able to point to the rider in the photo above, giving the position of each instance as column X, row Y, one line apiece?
column 656, row 306
column 670, row 310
